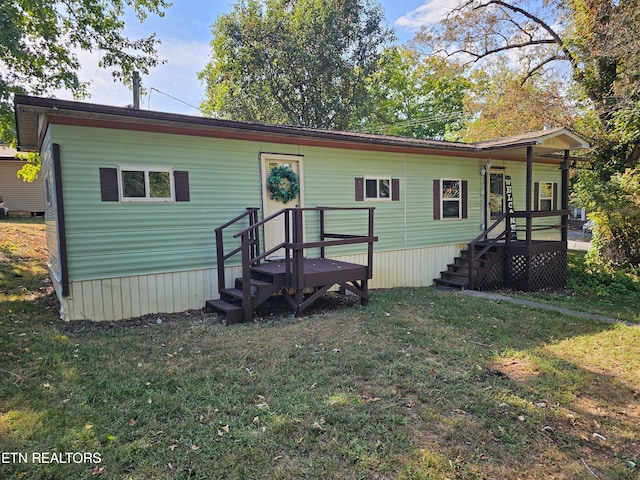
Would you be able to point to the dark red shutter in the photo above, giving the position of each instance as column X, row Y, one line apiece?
column 536, row 196
column 181, row 183
column 465, row 212
column 554, row 204
column 109, row 184
column 359, row 189
column 395, row 189
column 436, row 199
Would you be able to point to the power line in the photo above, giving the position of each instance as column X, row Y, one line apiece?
column 417, row 121
column 151, row 89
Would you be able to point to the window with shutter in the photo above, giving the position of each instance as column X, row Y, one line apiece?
column 377, row 188
column 450, row 199
column 142, row 184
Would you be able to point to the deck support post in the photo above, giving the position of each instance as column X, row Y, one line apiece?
column 298, row 257
column 564, row 202
column 529, row 198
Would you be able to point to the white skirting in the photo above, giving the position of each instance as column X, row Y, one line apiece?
column 134, row 296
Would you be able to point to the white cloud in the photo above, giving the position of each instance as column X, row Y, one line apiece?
column 431, row 12
column 176, row 78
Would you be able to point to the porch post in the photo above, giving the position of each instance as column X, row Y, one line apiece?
column 564, row 203
column 529, row 193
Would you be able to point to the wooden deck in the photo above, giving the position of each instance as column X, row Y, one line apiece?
column 317, row 272
column 299, row 279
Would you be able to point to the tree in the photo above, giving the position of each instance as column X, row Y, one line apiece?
column 499, row 104
column 40, row 41
column 595, row 41
column 296, row 62
column 417, row 97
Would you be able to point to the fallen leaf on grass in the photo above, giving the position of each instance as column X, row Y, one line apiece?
column 369, row 398
column 173, row 446
column 97, row 471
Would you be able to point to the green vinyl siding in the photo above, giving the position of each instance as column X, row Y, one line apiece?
column 112, row 239
column 54, row 260
column 329, row 181
column 422, row 229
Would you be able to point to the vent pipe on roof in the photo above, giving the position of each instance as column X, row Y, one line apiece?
column 136, row 90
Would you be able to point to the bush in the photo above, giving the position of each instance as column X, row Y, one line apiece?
column 588, row 274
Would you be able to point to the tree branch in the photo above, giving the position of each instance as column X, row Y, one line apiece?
column 479, row 56
column 533, row 70
column 556, row 38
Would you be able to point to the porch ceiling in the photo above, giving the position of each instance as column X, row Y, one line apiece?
column 545, row 143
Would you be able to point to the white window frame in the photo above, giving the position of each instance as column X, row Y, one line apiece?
column 443, row 199
column 541, row 197
column 377, row 198
column 146, row 170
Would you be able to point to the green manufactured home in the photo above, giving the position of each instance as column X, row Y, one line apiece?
column 134, row 198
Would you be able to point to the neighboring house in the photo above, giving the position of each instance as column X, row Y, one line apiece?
column 117, row 249
column 20, row 197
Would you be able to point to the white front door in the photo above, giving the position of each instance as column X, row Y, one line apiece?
column 274, row 231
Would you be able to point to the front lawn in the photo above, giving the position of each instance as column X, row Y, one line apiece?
column 420, row 384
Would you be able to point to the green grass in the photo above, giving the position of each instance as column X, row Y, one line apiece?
column 595, row 290
column 420, row 384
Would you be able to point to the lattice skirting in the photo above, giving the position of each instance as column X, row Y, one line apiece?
column 544, row 266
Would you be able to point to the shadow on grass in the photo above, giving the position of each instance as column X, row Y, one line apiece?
column 419, row 384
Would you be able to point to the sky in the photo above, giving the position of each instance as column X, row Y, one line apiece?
column 185, row 33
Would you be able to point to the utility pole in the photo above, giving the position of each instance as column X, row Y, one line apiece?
column 136, row 90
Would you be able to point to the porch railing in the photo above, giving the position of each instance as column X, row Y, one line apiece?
column 482, row 244
column 293, row 244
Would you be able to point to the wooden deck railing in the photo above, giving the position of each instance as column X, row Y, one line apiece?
column 293, row 244
column 482, row 243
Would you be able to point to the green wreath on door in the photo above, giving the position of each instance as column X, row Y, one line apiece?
column 283, row 184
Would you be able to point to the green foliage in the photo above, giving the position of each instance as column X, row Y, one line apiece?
column 39, row 43
column 29, row 171
column 419, row 384
column 298, row 63
column 416, row 96
column 589, row 275
column 614, row 204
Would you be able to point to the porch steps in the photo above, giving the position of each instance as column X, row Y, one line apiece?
column 232, row 312
column 232, row 300
column 457, row 273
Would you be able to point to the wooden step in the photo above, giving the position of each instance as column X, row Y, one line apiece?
column 441, row 282
column 455, row 267
column 233, row 313
column 231, row 294
column 254, row 283
column 455, row 276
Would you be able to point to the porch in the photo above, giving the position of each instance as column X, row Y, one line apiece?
column 299, row 270
column 506, row 262
column 507, row 254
